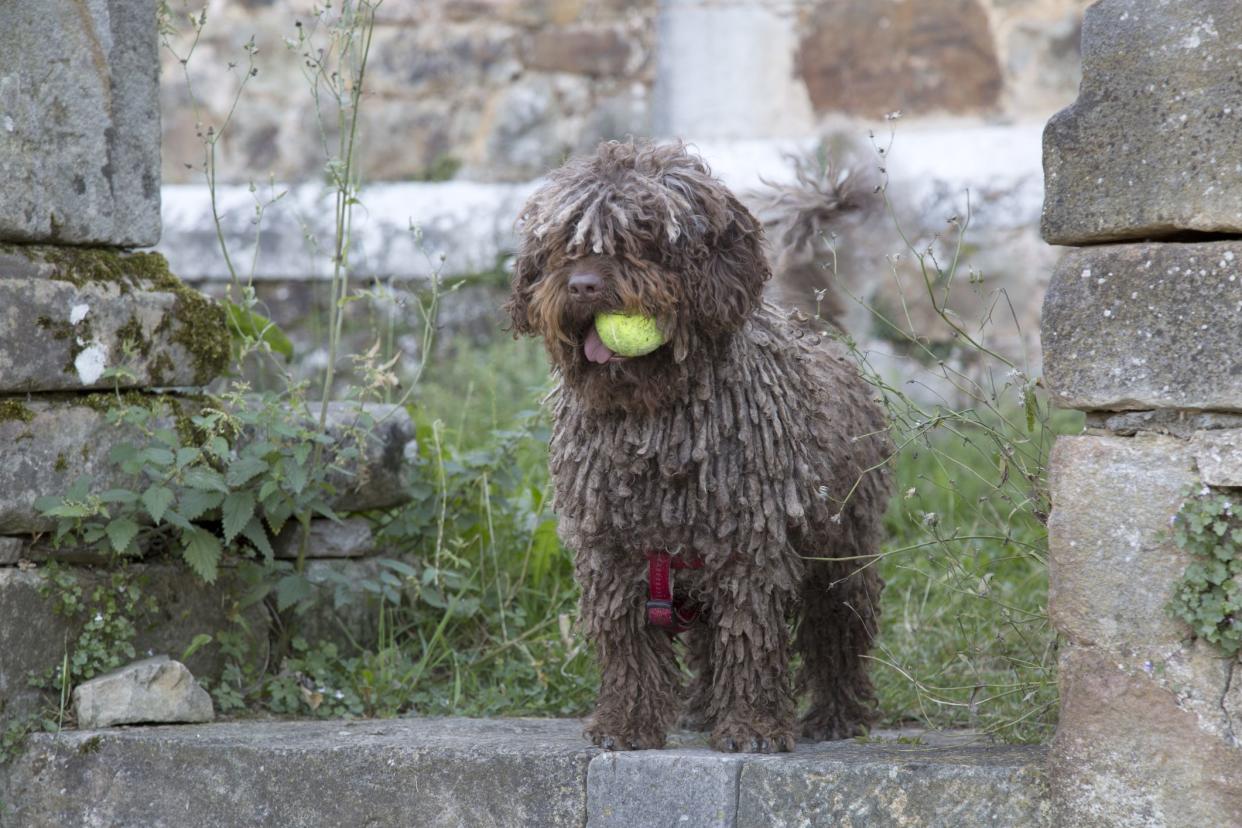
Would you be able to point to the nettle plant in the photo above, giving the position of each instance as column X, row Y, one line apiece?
column 1209, row 595
column 226, row 479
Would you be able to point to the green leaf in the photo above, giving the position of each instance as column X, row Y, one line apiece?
column 295, row 476
column 121, row 533
column 237, row 510
column 157, row 499
column 292, row 589
column 202, row 552
column 244, row 323
column 254, row 533
column 167, row 436
column 218, row 446
column 45, row 503
column 201, row 640
column 157, row 456
column 187, row 455
column 244, row 469
column 175, row 518
column 195, row 503
column 118, row 496
column 206, row 480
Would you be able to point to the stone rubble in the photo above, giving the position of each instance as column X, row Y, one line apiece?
column 153, row 690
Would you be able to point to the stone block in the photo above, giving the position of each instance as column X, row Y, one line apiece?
column 80, row 122
column 32, row 636
column 1127, row 752
column 68, row 315
column 931, row 56
column 578, row 49
column 435, row 772
column 154, row 689
column 1146, row 326
column 1218, row 455
column 664, row 787
column 52, row 443
column 712, row 82
column 1112, row 565
column 1164, row 421
column 1150, row 147
column 384, row 438
column 846, row 783
column 351, row 538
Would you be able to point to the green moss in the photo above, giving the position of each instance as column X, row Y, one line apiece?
column 160, row 368
column 91, row 745
column 202, row 330
column 132, row 333
column 181, row 409
column 200, row 324
column 61, row 462
column 442, row 168
column 13, row 410
column 91, row 265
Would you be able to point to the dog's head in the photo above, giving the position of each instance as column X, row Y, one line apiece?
column 643, row 228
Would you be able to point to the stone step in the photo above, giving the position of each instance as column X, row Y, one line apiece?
column 500, row 772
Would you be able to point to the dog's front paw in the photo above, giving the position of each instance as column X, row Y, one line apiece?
column 735, row 736
column 624, row 738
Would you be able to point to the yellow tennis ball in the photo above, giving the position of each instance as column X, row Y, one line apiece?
column 628, row 334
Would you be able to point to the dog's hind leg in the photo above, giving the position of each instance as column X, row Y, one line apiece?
column 752, row 703
column 698, row 696
column 639, row 678
column 840, row 605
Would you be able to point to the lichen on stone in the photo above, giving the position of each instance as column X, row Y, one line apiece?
column 11, row 410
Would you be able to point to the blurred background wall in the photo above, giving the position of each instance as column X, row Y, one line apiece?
column 470, row 101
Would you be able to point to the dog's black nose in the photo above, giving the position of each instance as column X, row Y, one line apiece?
column 585, row 286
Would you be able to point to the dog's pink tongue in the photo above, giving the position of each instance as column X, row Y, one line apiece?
column 595, row 349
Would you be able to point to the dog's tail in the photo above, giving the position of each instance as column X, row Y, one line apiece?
column 802, row 218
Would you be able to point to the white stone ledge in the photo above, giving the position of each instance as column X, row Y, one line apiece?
column 470, row 224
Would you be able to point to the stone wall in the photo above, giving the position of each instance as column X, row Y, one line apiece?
column 501, row 90
column 1144, row 336
column 79, row 124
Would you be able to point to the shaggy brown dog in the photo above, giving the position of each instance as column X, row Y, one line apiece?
column 744, row 446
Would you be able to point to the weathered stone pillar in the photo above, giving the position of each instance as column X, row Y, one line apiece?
column 1142, row 330
column 80, row 165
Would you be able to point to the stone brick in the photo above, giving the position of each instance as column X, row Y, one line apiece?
column 441, row 772
column 67, row 316
column 351, row 538
column 53, row 443
column 1150, row 148
column 845, row 783
column 1111, row 564
column 1128, row 753
column 80, row 122
column 1218, row 455
column 1145, row 326
column 584, row 51
column 664, row 787
column 930, row 56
